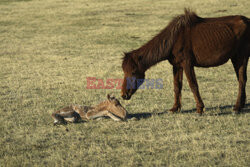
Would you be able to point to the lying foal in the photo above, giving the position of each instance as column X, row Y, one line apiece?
column 74, row 113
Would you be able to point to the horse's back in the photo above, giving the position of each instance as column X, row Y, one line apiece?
column 215, row 40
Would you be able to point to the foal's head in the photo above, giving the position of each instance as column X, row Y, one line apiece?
column 133, row 75
column 114, row 106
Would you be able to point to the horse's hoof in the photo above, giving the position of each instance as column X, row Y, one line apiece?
column 171, row 112
column 174, row 110
column 179, row 110
column 200, row 114
column 236, row 110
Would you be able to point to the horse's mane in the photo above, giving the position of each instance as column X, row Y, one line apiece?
column 160, row 46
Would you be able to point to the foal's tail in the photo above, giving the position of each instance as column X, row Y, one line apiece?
column 247, row 21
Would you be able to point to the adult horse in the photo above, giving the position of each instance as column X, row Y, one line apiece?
column 191, row 41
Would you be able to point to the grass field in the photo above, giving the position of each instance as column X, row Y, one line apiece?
column 47, row 50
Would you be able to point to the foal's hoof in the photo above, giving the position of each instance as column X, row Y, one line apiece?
column 99, row 119
column 59, row 123
column 133, row 119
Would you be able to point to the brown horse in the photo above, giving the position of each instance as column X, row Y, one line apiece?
column 190, row 41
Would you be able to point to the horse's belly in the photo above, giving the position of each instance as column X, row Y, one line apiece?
column 212, row 59
column 212, row 44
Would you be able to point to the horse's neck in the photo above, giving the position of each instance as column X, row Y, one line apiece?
column 151, row 56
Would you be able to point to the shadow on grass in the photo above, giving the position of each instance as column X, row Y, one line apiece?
column 224, row 110
column 145, row 115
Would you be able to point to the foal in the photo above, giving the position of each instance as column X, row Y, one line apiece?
column 74, row 113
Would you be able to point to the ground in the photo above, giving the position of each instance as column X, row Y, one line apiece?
column 48, row 49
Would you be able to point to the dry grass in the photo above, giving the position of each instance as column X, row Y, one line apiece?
column 49, row 47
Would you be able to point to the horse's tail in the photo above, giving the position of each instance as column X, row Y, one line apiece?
column 247, row 22
column 248, row 33
column 248, row 28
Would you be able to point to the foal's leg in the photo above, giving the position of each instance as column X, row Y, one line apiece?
column 189, row 71
column 58, row 119
column 97, row 114
column 71, row 116
column 112, row 116
column 178, row 77
column 64, row 117
column 93, row 114
column 240, row 67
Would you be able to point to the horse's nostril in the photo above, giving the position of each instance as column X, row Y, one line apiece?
column 124, row 96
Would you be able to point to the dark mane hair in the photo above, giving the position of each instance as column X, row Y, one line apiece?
column 158, row 48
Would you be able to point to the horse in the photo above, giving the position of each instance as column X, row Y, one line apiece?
column 190, row 41
column 74, row 113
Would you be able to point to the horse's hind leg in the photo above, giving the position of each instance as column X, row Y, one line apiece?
column 240, row 66
column 178, row 77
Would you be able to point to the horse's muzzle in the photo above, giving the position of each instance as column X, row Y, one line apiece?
column 126, row 97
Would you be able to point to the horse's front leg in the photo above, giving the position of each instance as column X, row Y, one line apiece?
column 178, row 77
column 189, row 71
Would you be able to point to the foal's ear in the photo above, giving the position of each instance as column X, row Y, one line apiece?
column 108, row 97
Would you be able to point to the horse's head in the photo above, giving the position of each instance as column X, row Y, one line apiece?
column 115, row 107
column 133, row 75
